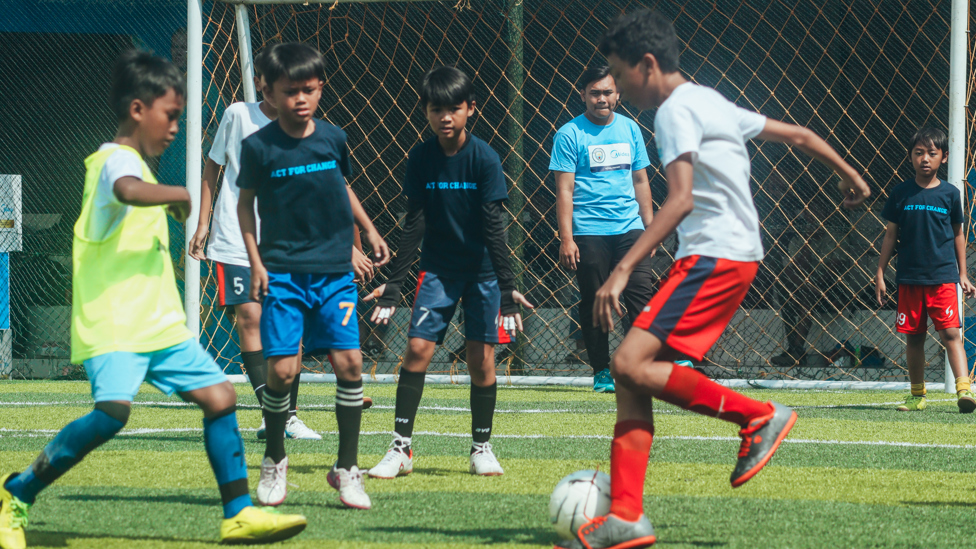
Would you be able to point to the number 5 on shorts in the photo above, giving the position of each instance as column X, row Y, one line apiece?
column 349, row 306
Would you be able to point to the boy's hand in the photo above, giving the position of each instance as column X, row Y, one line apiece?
column 362, row 266
column 512, row 323
column 882, row 292
column 381, row 315
column 198, row 243
column 259, row 283
column 968, row 289
column 381, row 252
column 569, row 254
column 854, row 190
column 608, row 300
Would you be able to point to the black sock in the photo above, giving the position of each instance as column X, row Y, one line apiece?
column 256, row 368
column 293, row 402
column 349, row 416
column 482, row 411
column 410, row 389
column 275, row 417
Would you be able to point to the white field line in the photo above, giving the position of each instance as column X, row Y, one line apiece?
column 34, row 433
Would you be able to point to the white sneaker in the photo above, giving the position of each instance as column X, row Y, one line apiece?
column 273, row 486
column 397, row 461
column 296, row 428
column 262, row 431
column 351, row 487
column 483, row 461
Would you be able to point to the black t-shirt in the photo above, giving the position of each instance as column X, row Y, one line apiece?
column 306, row 218
column 453, row 189
column 926, row 243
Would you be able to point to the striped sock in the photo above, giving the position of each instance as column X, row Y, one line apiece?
column 275, row 415
column 349, row 415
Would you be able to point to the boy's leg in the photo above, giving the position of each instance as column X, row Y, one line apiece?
column 640, row 287
column 943, row 307
column 913, row 322
column 484, row 393
column 349, row 404
column 277, row 395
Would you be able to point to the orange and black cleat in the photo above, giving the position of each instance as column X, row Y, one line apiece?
column 612, row 532
column 760, row 439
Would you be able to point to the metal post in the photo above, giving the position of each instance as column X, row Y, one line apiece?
column 194, row 152
column 957, row 126
column 244, row 51
column 515, row 161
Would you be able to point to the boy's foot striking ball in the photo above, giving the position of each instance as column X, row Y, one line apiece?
column 577, row 498
column 612, row 532
column 760, row 439
column 253, row 525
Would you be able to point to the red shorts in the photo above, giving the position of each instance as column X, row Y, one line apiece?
column 940, row 301
column 696, row 302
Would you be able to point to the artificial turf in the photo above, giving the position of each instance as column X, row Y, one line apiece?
column 854, row 473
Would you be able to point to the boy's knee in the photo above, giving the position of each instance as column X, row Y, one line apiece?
column 115, row 410
column 420, row 348
column 950, row 335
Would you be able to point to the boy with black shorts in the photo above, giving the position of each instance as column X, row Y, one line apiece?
column 455, row 188
column 701, row 140
column 925, row 218
column 127, row 320
column 302, row 270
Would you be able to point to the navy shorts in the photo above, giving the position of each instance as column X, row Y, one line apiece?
column 233, row 284
column 317, row 309
column 437, row 299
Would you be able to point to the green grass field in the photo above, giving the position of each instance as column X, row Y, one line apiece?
column 854, row 473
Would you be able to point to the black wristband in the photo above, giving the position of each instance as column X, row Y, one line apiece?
column 509, row 306
column 390, row 297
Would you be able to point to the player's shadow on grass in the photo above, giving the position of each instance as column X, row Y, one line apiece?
column 537, row 536
column 184, row 499
column 68, row 539
column 941, row 503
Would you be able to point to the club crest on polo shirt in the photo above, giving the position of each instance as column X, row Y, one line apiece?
column 611, row 157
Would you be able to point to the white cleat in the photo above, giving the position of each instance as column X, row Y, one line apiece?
column 273, row 486
column 351, row 487
column 483, row 461
column 296, row 428
column 397, row 461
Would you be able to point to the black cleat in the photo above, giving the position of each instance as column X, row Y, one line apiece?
column 612, row 532
column 760, row 439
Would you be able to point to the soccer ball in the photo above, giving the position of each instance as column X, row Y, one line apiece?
column 578, row 498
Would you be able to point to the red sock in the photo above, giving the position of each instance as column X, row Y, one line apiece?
column 629, row 452
column 691, row 390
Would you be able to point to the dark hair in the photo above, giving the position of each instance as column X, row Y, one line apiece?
column 259, row 61
column 929, row 136
column 143, row 76
column 445, row 86
column 294, row 61
column 632, row 35
column 592, row 74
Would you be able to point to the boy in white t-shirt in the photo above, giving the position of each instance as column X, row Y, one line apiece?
column 701, row 138
column 226, row 247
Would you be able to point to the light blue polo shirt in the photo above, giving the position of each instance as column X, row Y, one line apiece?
column 603, row 159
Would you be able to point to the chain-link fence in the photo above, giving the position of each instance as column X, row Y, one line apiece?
column 864, row 75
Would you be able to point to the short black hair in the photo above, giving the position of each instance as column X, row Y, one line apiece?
column 446, row 86
column 258, row 62
column 293, row 60
column 592, row 74
column 632, row 35
column 143, row 76
column 929, row 136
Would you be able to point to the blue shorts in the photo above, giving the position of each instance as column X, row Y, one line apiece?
column 177, row 369
column 435, row 303
column 317, row 309
column 233, row 284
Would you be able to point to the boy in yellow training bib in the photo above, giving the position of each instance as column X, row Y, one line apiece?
column 127, row 323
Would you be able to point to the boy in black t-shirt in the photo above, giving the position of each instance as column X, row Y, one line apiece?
column 925, row 217
column 302, row 270
column 455, row 188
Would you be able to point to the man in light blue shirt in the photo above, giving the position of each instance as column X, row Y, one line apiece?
column 603, row 203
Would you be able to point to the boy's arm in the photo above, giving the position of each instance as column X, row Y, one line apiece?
column 568, row 250
column 381, row 252
column 645, row 204
column 387, row 296
column 854, row 189
column 960, row 240
column 211, row 170
column 133, row 191
column 245, row 215
column 887, row 247
column 678, row 205
column 493, row 223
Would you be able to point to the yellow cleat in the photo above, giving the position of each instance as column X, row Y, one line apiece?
column 13, row 519
column 259, row 525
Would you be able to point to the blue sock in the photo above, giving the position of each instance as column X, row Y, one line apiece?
column 225, row 449
column 68, row 448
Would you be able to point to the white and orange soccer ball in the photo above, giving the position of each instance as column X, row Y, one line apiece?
column 577, row 498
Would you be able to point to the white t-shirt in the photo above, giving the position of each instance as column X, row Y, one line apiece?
column 107, row 212
column 239, row 121
column 699, row 120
